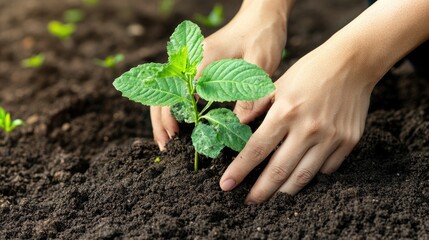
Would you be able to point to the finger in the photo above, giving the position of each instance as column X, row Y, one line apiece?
column 159, row 133
column 262, row 142
column 247, row 111
column 336, row 159
column 279, row 168
column 169, row 122
column 307, row 168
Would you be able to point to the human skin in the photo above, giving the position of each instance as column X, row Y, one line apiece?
column 317, row 114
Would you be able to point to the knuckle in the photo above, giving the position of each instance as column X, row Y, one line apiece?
column 289, row 113
column 245, row 106
column 257, row 153
column 314, row 127
column 303, row 177
column 278, row 174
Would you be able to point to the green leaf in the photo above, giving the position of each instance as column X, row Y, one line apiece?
column 232, row 80
column 60, row 29
column 177, row 64
column 142, row 84
column 205, row 140
column 34, row 61
column 7, row 121
column 182, row 112
column 231, row 132
column 73, row 16
column 214, row 19
column 187, row 34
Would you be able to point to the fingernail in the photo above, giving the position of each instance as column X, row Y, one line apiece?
column 228, row 185
column 170, row 135
column 161, row 146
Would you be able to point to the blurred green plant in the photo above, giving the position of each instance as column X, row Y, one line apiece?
column 157, row 160
column 34, row 61
column 214, row 19
column 166, row 7
column 61, row 30
column 6, row 122
column 284, row 54
column 73, row 16
column 110, row 61
column 90, row 3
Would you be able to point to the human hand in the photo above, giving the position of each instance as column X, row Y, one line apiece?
column 316, row 116
column 257, row 34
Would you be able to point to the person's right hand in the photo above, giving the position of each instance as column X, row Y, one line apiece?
column 258, row 35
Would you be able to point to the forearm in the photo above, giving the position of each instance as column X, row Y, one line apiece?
column 385, row 33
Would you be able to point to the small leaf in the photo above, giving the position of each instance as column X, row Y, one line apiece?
column 182, row 111
column 177, row 63
column 231, row 132
column 214, row 19
column 141, row 84
column 60, row 29
column 205, row 141
column 73, row 16
column 232, row 80
column 187, row 34
column 7, row 121
column 34, row 61
column 157, row 160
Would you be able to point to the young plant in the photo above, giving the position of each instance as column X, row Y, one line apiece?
column 73, row 16
column 34, row 61
column 90, row 3
column 110, row 61
column 174, row 84
column 61, row 30
column 166, row 7
column 214, row 19
column 6, row 122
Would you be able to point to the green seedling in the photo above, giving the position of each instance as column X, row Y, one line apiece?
column 174, row 84
column 34, row 61
column 157, row 160
column 214, row 19
column 90, row 3
column 166, row 7
column 73, row 16
column 61, row 30
column 110, row 61
column 6, row 122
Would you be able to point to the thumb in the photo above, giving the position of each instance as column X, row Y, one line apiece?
column 247, row 111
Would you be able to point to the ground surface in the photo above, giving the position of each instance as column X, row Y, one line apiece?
column 83, row 165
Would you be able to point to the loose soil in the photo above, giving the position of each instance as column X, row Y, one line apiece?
column 83, row 166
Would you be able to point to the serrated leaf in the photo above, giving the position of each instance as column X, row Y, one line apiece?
column 187, row 34
column 142, row 84
column 205, row 141
column 232, row 80
column 231, row 132
column 182, row 112
column 177, row 64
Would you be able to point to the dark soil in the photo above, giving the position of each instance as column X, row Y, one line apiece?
column 83, row 166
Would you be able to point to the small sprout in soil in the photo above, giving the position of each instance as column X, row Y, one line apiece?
column 214, row 19
column 174, row 84
column 110, row 61
column 90, row 3
column 157, row 160
column 73, row 16
column 284, row 54
column 61, row 30
column 6, row 122
column 166, row 7
column 34, row 61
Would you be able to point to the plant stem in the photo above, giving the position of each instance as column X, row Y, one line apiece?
column 196, row 161
column 191, row 90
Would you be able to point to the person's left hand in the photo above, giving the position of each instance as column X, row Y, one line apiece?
column 316, row 116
